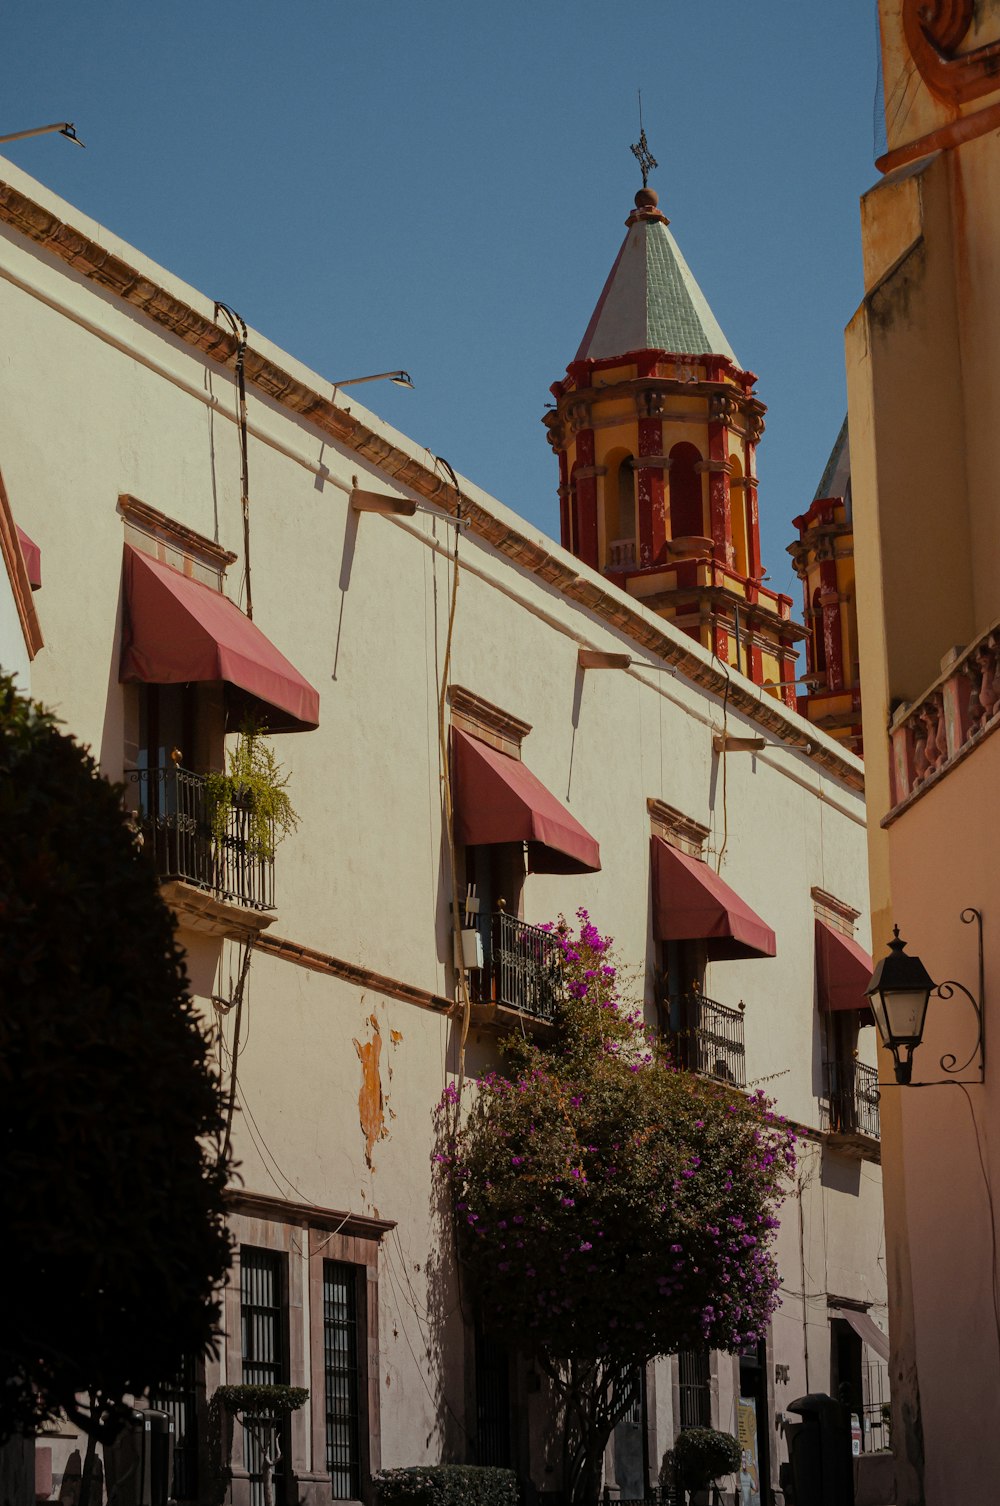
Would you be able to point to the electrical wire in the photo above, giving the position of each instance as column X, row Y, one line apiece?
column 447, row 795
column 237, row 1000
column 239, row 328
column 992, row 1212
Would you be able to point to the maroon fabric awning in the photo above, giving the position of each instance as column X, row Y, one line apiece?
column 692, row 903
column 32, row 559
column 498, row 799
column 843, row 972
column 177, row 631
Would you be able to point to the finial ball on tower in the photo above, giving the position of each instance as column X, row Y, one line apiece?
column 647, row 198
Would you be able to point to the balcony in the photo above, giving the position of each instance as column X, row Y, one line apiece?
column 522, row 970
column 621, row 554
column 214, row 882
column 707, row 1037
column 852, row 1092
column 962, row 706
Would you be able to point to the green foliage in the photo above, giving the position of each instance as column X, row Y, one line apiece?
column 257, row 786
column 702, row 1455
column 447, row 1485
column 267, row 1401
column 111, row 1181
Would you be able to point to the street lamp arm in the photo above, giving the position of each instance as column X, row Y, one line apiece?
column 64, row 127
column 949, row 1062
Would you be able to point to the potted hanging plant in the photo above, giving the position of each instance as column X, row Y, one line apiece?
column 255, row 785
column 700, row 1457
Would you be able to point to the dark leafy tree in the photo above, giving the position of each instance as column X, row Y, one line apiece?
column 111, row 1180
column 611, row 1207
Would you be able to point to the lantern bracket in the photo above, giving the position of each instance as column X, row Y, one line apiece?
column 949, row 1062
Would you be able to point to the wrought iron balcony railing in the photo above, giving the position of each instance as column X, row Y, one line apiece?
column 707, row 1038
column 173, row 811
column 522, row 968
column 852, row 1088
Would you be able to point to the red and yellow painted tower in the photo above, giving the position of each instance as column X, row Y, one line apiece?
column 823, row 556
column 656, row 427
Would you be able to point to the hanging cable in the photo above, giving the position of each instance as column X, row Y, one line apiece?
column 239, row 329
column 447, row 793
column 223, row 1007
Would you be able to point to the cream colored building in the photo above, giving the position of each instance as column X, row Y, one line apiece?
column 120, row 450
column 924, row 399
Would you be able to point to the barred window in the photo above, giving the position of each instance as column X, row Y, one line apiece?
column 343, row 1391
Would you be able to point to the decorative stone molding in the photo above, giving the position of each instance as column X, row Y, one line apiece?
column 681, row 831
column 174, row 543
column 262, row 1205
column 196, row 910
column 470, row 713
column 836, row 911
column 352, row 972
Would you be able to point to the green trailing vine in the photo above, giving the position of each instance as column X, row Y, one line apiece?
column 257, row 787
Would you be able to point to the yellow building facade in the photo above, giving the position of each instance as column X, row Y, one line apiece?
column 924, row 402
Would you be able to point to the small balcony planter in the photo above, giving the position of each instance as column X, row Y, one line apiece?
column 256, row 788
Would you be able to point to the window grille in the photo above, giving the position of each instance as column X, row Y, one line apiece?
column 492, row 1401
column 262, row 1320
column 179, row 1399
column 694, row 1378
column 340, row 1362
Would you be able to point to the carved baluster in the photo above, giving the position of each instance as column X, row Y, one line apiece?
column 993, row 645
column 933, row 752
column 921, row 763
column 976, row 712
column 987, row 665
column 941, row 730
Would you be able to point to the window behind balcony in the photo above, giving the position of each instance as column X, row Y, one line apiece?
column 262, row 1318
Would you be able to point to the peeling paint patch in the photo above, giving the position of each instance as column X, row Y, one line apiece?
column 371, row 1104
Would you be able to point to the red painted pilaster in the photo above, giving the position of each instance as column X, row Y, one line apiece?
column 832, row 641
column 718, row 495
column 586, row 500
column 649, row 496
column 565, row 532
column 753, row 527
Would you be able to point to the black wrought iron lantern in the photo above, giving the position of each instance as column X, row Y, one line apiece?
column 898, row 994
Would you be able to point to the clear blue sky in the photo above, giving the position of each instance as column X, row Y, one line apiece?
column 442, row 186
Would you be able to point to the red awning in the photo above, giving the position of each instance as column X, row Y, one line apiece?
column 32, row 559
column 843, row 971
column 498, row 799
column 692, row 903
column 177, row 631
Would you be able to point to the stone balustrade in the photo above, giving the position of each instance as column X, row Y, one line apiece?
column 963, row 704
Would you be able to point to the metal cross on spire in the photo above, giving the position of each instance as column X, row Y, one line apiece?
column 640, row 150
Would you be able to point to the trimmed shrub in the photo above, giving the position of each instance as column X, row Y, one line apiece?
column 702, row 1455
column 263, row 1401
column 447, row 1485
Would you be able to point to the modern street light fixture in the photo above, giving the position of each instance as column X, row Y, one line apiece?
column 399, row 378
column 64, row 127
column 899, row 992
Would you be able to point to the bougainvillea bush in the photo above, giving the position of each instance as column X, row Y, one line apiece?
column 610, row 1206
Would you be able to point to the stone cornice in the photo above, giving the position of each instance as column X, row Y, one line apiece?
column 95, row 262
column 285, row 1210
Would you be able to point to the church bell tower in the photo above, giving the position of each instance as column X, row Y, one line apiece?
column 656, row 426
